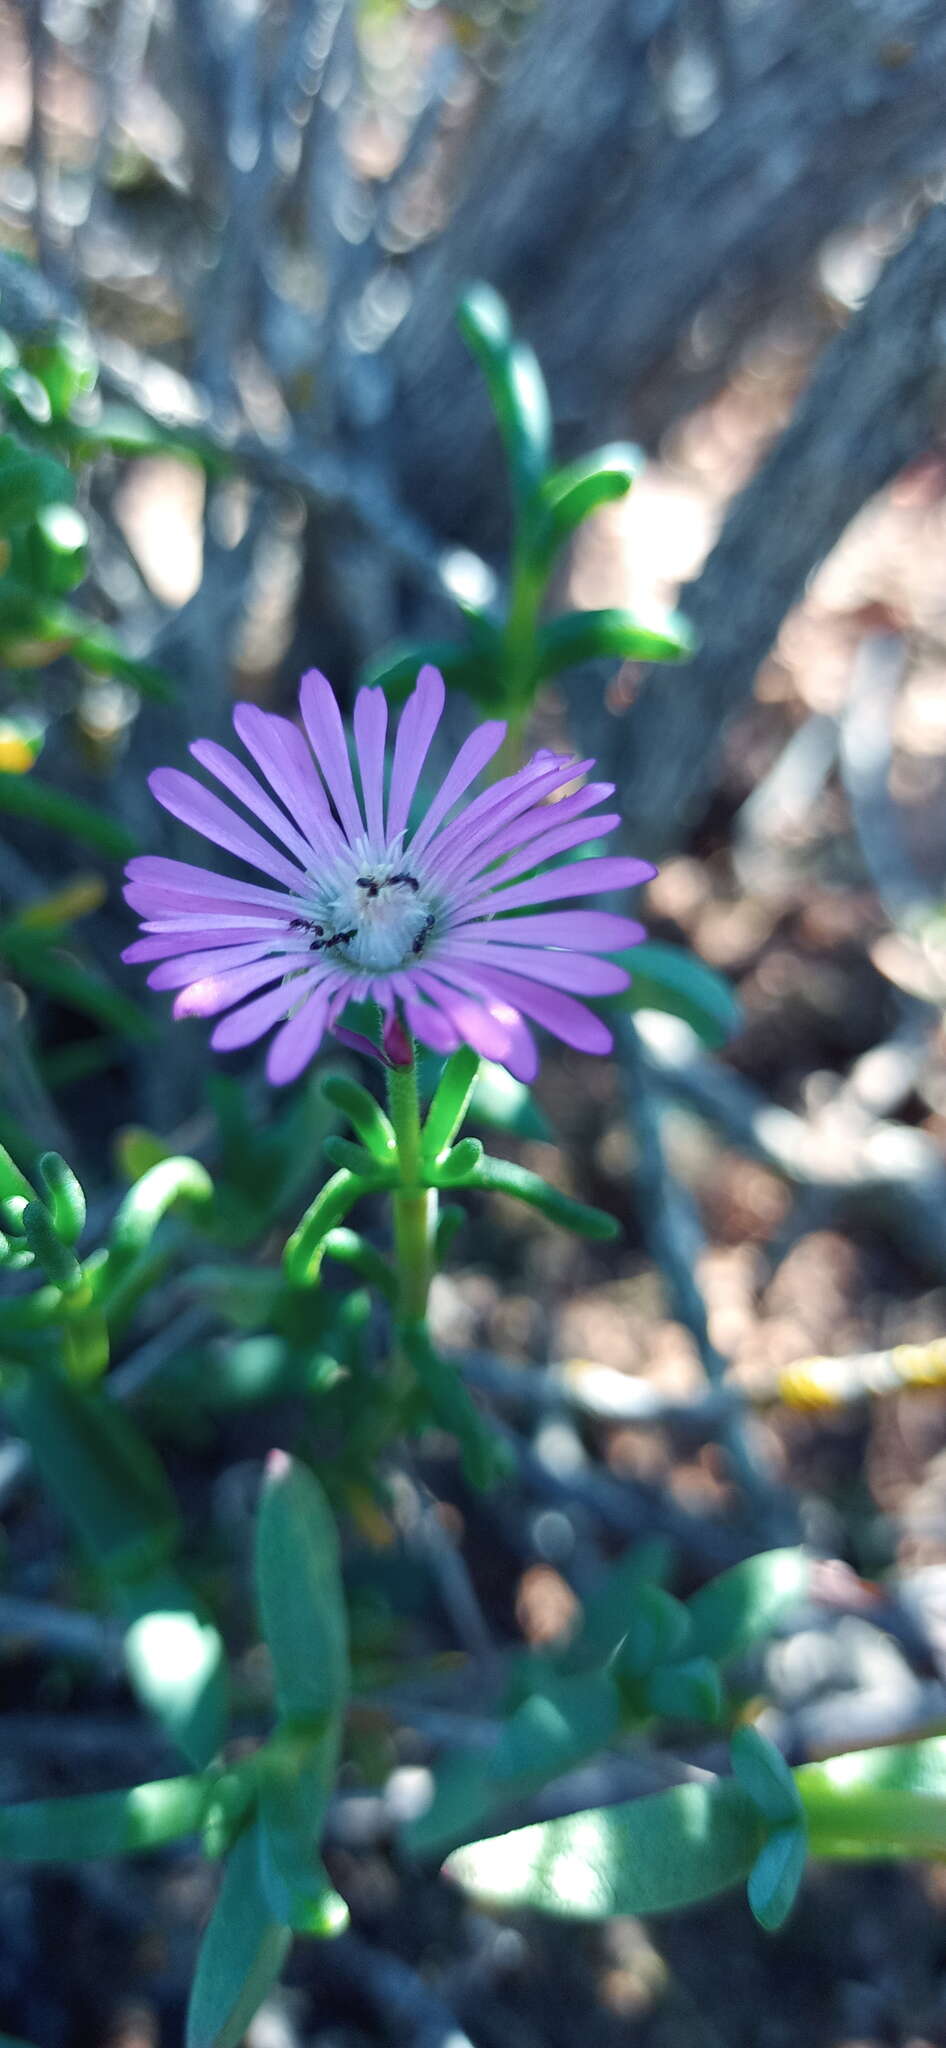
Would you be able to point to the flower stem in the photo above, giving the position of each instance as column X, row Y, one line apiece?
column 415, row 1207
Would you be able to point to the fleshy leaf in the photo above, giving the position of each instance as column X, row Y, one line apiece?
column 776, row 1875
column 241, row 1954
column 745, row 1604
column 649, row 1855
column 576, row 637
column 671, row 979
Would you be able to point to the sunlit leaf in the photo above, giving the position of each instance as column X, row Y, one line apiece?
column 650, row 1855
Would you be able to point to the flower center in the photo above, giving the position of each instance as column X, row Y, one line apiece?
column 377, row 916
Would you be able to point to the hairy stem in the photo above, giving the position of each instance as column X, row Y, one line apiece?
column 415, row 1207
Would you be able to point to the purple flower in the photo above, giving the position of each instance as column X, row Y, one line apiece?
column 432, row 921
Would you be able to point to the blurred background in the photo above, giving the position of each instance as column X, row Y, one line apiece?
column 720, row 224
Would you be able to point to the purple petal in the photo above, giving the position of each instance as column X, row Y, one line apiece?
column 357, row 1042
column 493, row 811
column 298, row 1041
column 203, row 883
column 528, row 830
column 590, row 931
column 253, row 1020
column 220, row 762
column 579, row 878
column 487, row 1034
column 559, row 1013
column 371, row 725
column 429, row 1024
column 251, row 926
column 582, row 973
column 323, row 723
column 472, row 758
column 283, row 754
column 216, row 992
column 167, row 944
column 191, row 967
column 152, row 901
column 416, row 727
column 185, row 799
column 560, row 836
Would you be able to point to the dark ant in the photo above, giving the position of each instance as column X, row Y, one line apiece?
column 318, row 944
column 373, row 888
column 424, row 933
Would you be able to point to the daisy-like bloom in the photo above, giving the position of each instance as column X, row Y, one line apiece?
column 434, row 920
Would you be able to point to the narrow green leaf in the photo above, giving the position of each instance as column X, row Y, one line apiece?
column 455, row 1167
column 745, row 1604
column 651, row 1855
column 365, row 1115
column 147, row 1203
column 502, row 1177
column 515, row 385
column 350, row 1249
column 588, row 636
column 13, row 1183
column 371, row 1171
column 571, row 493
column 58, row 1262
column 300, row 1595
column 450, row 1101
column 304, row 1250
column 98, row 1824
column 241, row 1955
column 65, row 1197
column 776, row 1875
column 295, row 1776
column 671, row 979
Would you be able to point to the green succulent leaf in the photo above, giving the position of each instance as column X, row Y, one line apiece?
column 762, row 1772
column 671, row 979
column 65, row 1197
column 650, row 1855
column 576, row 637
column 242, row 1952
column 365, row 1115
column 776, row 1875
column 501, row 1176
column 305, row 1249
column 300, row 1595
column 571, row 493
column 450, row 1102
column 455, row 1167
column 745, row 1604
column 98, row 1824
column 515, row 384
